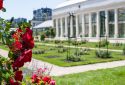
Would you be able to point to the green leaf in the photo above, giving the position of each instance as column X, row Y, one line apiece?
column 10, row 54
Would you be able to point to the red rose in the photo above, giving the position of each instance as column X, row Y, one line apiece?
column 16, row 46
column 24, row 57
column 35, row 78
column 27, row 38
column 12, row 82
column 1, row 4
column 27, row 56
column 46, row 79
column 18, row 76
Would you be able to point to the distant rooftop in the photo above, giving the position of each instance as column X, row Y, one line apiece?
column 69, row 2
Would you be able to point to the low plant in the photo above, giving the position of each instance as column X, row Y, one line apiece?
column 57, row 41
column 39, row 52
column 103, row 54
column 41, row 76
column 84, row 41
column 62, row 50
column 102, row 43
column 42, row 37
column 74, row 58
column 117, row 44
column 60, row 46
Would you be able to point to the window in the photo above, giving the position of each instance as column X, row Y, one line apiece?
column 86, row 25
column 111, row 19
column 63, row 21
column 59, row 27
column 121, row 19
column 80, row 24
column 54, row 23
column 94, row 27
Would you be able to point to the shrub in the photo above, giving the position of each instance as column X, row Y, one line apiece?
column 62, row 50
column 42, row 38
column 57, row 41
column 103, row 54
column 102, row 43
column 75, row 43
column 74, row 58
column 117, row 44
column 60, row 46
column 39, row 52
column 84, row 41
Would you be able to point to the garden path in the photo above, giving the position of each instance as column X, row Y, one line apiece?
column 59, row 71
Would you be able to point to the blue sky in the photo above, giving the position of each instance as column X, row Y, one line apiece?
column 24, row 8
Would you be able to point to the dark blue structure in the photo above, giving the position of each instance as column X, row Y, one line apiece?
column 42, row 14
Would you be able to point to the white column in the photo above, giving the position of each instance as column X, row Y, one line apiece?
column 90, row 25
column 77, row 28
column 57, row 28
column 98, row 25
column 83, row 25
column 61, row 23
column 71, row 26
column 116, row 23
column 106, row 24
column 66, row 27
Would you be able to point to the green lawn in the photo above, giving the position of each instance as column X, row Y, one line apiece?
column 115, row 76
column 59, row 58
column 88, row 44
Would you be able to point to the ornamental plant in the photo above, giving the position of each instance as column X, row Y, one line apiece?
column 20, row 44
column 41, row 77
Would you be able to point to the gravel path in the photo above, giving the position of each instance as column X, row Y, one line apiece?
column 59, row 71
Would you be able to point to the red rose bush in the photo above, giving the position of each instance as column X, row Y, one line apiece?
column 21, row 49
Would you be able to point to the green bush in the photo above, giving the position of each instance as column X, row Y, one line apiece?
column 117, row 44
column 74, row 58
column 62, row 50
column 39, row 52
column 57, row 41
column 42, row 38
column 103, row 54
column 102, row 43
column 84, row 41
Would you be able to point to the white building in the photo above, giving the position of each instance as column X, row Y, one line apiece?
column 90, row 19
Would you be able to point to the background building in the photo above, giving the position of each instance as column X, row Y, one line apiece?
column 90, row 19
column 41, row 15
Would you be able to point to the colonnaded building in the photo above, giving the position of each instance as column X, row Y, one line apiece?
column 90, row 19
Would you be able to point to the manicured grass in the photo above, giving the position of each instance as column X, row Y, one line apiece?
column 88, row 44
column 114, row 76
column 60, row 58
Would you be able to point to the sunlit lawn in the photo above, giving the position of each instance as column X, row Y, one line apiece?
column 115, row 76
column 52, row 56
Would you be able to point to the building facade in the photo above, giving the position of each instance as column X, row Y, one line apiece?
column 90, row 19
column 41, row 15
